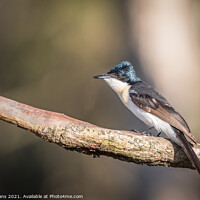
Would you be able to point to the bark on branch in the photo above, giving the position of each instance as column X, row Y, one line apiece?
column 76, row 135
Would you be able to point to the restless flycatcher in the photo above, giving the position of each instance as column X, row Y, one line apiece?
column 150, row 107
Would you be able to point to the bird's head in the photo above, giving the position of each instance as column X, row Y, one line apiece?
column 123, row 72
column 120, row 76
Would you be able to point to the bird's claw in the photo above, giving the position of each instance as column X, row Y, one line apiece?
column 146, row 133
column 134, row 130
column 141, row 133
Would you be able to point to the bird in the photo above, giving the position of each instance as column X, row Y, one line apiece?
column 150, row 107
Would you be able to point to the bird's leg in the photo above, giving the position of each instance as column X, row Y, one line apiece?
column 145, row 132
column 134, row 130
column 158, row 134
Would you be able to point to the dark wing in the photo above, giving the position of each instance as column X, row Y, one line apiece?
column 146, row 98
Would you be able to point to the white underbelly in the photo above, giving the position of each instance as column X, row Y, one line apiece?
column 122, row 89
column 151, row 120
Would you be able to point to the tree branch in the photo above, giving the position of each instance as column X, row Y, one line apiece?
column 76, row 135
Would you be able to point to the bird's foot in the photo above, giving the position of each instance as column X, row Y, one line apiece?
column 147, row 133
column 142, row 133
column 134, row 130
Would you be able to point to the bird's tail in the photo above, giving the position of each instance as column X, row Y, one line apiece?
column 188, row 149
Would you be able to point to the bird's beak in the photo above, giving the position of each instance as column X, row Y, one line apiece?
column 103, row 76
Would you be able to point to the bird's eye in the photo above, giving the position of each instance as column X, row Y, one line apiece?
column 125, row 67
column 118, row 73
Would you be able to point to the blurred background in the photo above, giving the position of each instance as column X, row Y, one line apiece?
column 49, row 52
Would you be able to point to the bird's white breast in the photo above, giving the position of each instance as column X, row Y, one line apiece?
column 122, row 89
column 116, row 85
